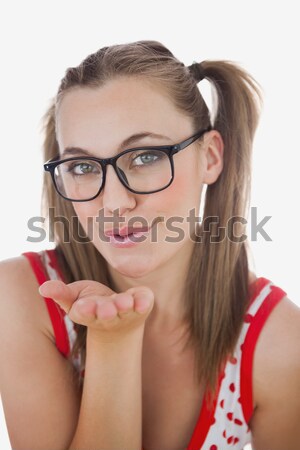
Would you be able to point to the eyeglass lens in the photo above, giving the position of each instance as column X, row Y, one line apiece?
column 141, row 170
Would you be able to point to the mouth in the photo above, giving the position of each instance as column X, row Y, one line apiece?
column 127, row 232
column 129, row 236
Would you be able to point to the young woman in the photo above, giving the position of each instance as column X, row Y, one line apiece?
column 153, row 333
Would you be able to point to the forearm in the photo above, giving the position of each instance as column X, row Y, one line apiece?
column 110, row 415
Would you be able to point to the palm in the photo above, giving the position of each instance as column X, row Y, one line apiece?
column 97, row 306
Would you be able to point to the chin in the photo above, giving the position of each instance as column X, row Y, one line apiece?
column 131, row 269
column 134, row 274
column 130, row 265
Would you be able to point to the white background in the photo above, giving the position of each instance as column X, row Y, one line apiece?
column 39, row 40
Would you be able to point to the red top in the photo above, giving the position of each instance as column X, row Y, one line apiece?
column 226, row 424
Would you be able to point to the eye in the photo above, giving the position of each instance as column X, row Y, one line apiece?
column 146, row 158
column 80, row 168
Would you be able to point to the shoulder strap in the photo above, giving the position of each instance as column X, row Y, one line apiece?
column 55, row 312
column 267, row 297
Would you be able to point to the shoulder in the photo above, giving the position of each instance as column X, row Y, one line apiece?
column 12, row 265
column 276, row 379
column 38, row 386
column 19, row 295
column 279, row 339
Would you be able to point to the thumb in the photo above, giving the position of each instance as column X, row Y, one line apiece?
column 66, row 294
column 59, row 292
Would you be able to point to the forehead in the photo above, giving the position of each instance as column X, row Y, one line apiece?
column 97, row 118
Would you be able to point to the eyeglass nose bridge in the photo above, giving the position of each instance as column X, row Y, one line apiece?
column 113, row 162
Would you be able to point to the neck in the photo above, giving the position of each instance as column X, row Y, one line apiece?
column 168, row 285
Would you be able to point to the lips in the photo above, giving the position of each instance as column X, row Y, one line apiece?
column 126, row 231
column 127, row 236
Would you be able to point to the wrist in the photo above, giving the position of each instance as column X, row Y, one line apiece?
column 111, row 339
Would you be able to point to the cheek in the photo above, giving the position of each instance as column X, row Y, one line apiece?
column 85, row 210
column 88, row 215
column 183, row 193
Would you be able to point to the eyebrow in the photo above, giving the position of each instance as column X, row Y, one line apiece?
column 124, row 145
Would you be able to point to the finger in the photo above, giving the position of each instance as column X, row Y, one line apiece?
column 66, row 294
column 59, row 292
column 143, row 299
column 106, row 311
column 124, row 303
column 91, row 311
column 83, row 310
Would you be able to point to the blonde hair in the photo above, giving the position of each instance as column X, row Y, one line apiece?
column 217, row 284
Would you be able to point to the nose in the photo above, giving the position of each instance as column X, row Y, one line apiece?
column 115, row 196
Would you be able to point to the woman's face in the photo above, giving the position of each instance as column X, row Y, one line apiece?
column 99, row 121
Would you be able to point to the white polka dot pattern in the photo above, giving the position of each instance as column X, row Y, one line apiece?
column 230, row 429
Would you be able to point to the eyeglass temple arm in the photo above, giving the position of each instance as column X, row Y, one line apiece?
column 184, row 144
column 47, row 165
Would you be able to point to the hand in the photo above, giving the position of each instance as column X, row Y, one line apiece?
column 96, row 306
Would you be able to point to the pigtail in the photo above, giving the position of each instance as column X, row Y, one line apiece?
column 219, row 275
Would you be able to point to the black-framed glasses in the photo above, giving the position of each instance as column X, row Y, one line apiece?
column 142, row 170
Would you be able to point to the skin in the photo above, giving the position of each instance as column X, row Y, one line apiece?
column 141, row 274
column 149, row 277
column 89, row 118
